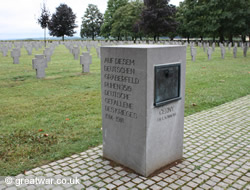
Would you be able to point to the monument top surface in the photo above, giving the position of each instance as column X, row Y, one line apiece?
column 143, row 46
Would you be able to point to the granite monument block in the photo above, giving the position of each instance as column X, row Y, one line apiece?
column 143, row 93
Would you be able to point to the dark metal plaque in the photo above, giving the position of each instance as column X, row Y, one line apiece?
column 167, row 83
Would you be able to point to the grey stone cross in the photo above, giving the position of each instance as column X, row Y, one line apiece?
column 75, row 52
column 29, row 49
column 209, row 53
column 15, row 54
column 245, row 50
column 47, row 52
column 5, row 50
column 39, row 63
column 235, row 51
column 85, row 61
column 193, row 53
column 223, row 51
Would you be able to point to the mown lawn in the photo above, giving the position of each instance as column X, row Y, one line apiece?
column 48, row 119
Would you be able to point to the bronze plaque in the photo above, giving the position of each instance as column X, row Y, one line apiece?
column 167, row 83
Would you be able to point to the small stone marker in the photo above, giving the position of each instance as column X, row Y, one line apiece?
column 29, row 50
column 88, row 46
column 209, row 53
column 223, row 51
column 36, row 46
column 204, row 47
column 5, row 50
column 193, row 53
column 235, row 51
column 47, row 52
column 39, row 63
column 213, row 46
column 143, row 92
column 76, row 52
column 98, row 51
column 85, row 61
column 245, row 50
column 15, row 54
column 229, row 46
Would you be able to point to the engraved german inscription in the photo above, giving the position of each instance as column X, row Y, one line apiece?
column 119, row 82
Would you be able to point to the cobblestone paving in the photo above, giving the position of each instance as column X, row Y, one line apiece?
column 216, row 156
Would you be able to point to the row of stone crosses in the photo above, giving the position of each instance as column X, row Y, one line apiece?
column 209, row 50
column 40, row 62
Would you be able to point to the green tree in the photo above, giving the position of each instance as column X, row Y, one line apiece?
column 158, row 18
column 43, row 20
column 192, row 19
column 91, row 22
column 113, row 5
column 125, row 20
column 229, row 18
column 216, row 18
column 62, row 22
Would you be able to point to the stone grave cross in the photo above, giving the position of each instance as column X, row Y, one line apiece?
column 209, row 53
column 213, row 46
column 235, row 51
column 29, row 49
column 39, row 64
column 5, row 50
column 193, row 53
column 245, row 50
column 223, row 51
column 15, row 54
column 75, row 52
column 48, row 53
column 85, row 61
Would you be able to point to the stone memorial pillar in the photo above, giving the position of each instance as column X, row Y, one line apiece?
column 143, row 93
column 85, row 61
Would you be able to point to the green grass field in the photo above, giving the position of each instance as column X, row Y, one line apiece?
column 48, row 119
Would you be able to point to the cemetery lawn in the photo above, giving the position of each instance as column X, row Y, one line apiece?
column 48, row 119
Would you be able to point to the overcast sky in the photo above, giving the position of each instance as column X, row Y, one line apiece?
column 18, row 18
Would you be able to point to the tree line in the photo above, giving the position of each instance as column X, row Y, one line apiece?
column 133, row 19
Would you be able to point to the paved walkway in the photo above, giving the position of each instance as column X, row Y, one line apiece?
column 216, row 156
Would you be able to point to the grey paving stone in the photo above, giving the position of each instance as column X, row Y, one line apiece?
column 155, row 187
column 118, row 182
column 186, row 188
column 142, row 186
column 129, row 184
column 122, row 188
